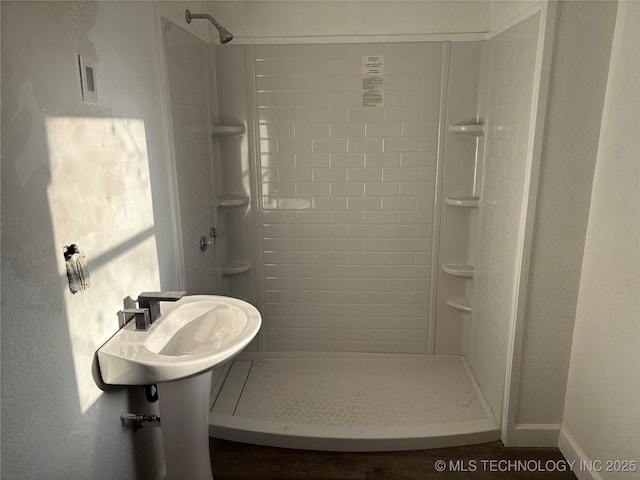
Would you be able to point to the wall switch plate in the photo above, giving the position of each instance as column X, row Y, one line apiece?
column 88, row 80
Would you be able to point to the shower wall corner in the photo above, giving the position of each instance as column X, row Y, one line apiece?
column 237, row 202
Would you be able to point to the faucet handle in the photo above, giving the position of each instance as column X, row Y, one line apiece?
column 141, row 316
column 169, row 296
column 151, row 301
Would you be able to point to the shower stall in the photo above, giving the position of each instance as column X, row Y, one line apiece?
column 371, row 200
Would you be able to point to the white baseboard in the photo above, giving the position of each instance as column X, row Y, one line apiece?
column 535, row 435
column 573, row 453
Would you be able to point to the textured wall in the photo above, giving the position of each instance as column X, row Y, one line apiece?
column 503, row 11
column 348, row 196
column 255, row 21
column 95, row 174
column 174, row 11
column 512, row 58
column 602, row 411
column 576, row 94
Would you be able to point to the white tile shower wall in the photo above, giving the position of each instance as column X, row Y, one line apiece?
column 232, row 171
column 347, row 196
column 512, row 58
column 188, row 76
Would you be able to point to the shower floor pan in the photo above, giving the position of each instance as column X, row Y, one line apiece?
column 350, row 402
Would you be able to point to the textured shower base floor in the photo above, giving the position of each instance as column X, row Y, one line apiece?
column 351, row 402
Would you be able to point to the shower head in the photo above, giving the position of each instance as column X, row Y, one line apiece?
column 225, row 35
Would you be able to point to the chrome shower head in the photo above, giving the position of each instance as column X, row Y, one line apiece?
column 225, row 35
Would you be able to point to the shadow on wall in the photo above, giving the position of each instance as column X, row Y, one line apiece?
column 71, row 174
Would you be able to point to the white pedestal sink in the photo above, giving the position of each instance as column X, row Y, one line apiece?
column 177, row 353
column 184, row 413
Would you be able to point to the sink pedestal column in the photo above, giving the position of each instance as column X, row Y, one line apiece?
column 184, row 414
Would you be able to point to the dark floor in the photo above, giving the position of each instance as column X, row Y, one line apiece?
column 232, row 461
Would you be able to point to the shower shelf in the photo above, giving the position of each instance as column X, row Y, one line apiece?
column 228, row 130
column 457, row 270
column 462, row 304
column 230, row 201
column 465, row 202
column 236, row 268
column 472, row 129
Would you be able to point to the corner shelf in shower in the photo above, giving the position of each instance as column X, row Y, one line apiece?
column 462, row 304
column 236, row 268
column 230, row 201
column 471, row 129
column 464, row 202
column 228, row 130
column 457, row 270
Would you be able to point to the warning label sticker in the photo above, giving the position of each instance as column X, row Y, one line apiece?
column 373, row 81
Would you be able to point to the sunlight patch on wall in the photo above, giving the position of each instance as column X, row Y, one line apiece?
column 100, row 199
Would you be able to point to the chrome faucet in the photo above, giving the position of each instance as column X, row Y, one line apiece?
column 151, row 301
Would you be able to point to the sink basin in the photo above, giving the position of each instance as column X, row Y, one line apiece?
column 192, row 336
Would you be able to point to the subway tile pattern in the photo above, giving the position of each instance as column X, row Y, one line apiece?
column 508, row 105
column 347, row 196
